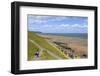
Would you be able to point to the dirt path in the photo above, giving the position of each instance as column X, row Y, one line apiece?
column 41, row 50
column 53, row 45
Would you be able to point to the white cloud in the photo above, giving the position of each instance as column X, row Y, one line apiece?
column 71, row 26
column 75, row 25
column 39, row 21
column 44, row 19
column 78, row 26
column 39, row 17
column 64, row 25
column 48, row 26
column 58, row 18
column 85, row 26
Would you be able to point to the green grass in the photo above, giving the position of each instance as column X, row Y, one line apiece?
column 32, row 49
column 46, row 56
column 43, row 43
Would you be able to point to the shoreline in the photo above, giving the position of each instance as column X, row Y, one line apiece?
column 79, row 45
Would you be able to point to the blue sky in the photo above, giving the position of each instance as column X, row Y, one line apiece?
column 57, row 24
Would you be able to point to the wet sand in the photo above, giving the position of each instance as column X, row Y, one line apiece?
column 79, row 45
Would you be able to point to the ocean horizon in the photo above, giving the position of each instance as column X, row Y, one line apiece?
column 79, row 35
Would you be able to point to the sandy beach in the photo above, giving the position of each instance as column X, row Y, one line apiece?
column 79, row 45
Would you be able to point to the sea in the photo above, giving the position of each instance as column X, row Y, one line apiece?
column 78, row 35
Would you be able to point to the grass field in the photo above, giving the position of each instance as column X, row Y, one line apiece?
column 38, row 43
column 31, row 50
column 46, row 56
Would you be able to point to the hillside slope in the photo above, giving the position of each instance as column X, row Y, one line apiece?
column 36, row 43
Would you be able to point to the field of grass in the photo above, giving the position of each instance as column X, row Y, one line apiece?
column 32, row 48
column 46, row 56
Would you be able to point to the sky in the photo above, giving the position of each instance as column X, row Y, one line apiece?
column 57, row 24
